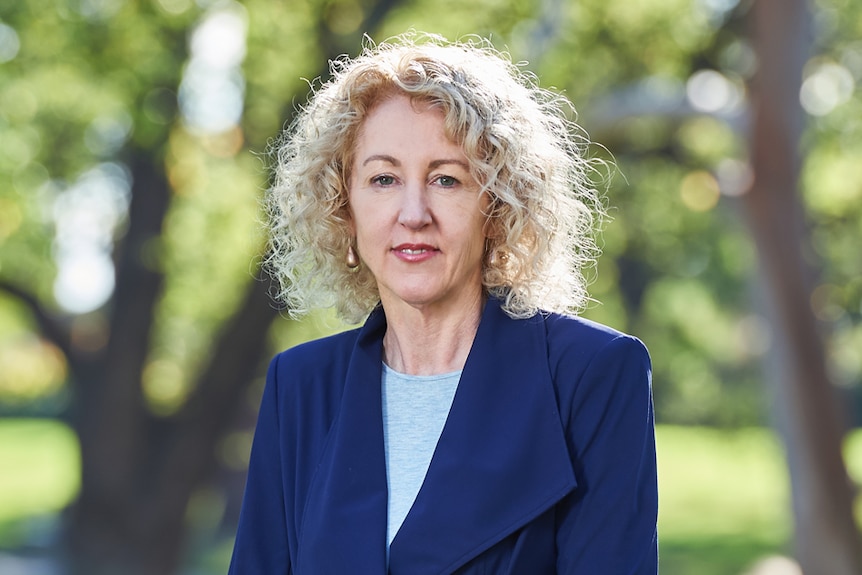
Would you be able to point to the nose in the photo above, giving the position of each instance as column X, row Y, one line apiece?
column 414, row 211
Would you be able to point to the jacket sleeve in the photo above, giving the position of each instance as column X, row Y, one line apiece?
column 608, row 524
column 261, row 546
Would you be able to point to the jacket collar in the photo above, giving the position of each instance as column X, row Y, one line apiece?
column 500, row 462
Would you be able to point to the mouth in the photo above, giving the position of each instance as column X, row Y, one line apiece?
column 413, row 249
column 414, row 253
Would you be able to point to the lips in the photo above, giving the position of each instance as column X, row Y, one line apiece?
column 414, row 252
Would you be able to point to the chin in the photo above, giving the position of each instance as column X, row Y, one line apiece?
column 416, row 299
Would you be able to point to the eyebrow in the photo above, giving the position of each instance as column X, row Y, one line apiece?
column 433, row 165
column 381, row 158
column 437, row 163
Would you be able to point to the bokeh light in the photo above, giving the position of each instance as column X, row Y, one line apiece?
column 212, row 91
column 9, row 43
column 87, row 216
column 828, row 86
column 712, row 92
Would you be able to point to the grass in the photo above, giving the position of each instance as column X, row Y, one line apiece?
column 40, row 465
column 39, row 474
column 724, row 499
column 724, row 494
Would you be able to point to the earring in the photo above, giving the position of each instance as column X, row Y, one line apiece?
column 491, row 251
column 497, row 257
column 351, row 259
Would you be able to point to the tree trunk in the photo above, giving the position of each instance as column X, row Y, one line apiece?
column 110, row 414
column 808, row 418
column 136, row 523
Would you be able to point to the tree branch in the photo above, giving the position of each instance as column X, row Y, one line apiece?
column 52, row 327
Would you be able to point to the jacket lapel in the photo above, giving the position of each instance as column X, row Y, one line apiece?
column 344, row 522
column 502, row 459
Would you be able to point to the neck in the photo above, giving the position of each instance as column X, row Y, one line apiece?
column 420, row 341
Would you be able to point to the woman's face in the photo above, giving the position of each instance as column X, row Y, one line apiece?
column 416, row 210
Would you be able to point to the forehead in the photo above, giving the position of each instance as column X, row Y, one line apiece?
column 400, row 123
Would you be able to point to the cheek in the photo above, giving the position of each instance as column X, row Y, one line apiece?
column 363, row 221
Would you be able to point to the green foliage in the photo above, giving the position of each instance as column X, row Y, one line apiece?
column 210, row 235
column 831, row 175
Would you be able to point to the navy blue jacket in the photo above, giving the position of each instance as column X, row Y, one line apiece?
column 546, row 464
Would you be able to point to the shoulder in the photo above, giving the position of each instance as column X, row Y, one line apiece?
column 585, row 338
column 316, row 363
column 586, row 354
column 311, row 353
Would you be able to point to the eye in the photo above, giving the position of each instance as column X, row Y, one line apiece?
column 447, row 181
column 383, row 180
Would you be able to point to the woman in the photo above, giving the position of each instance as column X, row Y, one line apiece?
column 471, row 425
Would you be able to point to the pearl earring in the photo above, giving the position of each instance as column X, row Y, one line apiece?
column 351, row 259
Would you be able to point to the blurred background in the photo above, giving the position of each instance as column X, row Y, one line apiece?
column 135, row 326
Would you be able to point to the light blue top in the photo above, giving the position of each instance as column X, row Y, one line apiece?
column 415, row 408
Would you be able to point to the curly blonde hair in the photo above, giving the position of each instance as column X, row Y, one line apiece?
column 528, row 156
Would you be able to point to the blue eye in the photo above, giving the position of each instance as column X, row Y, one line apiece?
column 447, row 181
column 383, row 180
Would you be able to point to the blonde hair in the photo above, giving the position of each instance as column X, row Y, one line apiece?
column 528, row 157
